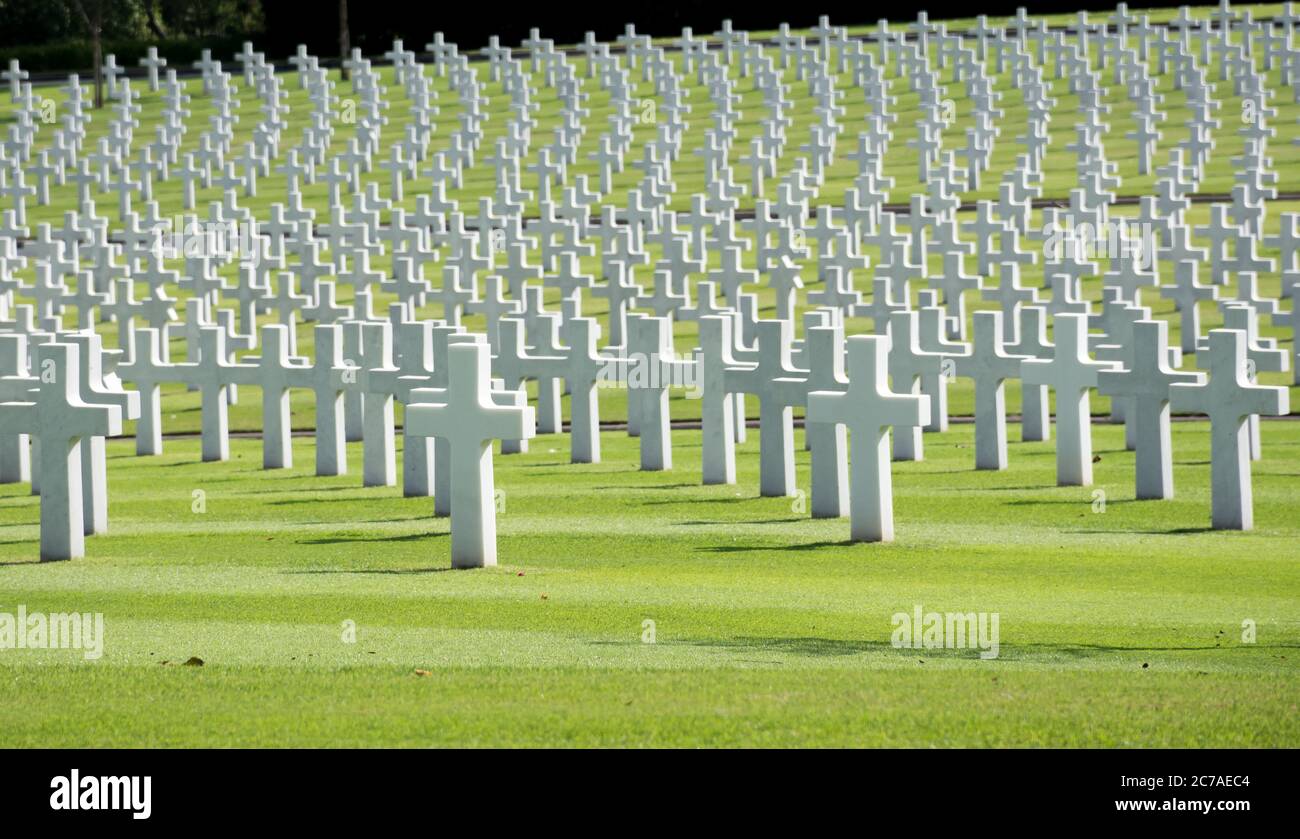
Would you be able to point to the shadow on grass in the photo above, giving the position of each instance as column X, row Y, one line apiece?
column 646, row 486
column 831, row 647
column 795, row 520
column 1090, row 650
column 364, row 499
column 806, row 646
column 1032, row 488
column 1034, row 502
column 807, row 546
column 1174, row 531
column 303, row 478
column 376, row 570
column 348, row 540
column 699, row 500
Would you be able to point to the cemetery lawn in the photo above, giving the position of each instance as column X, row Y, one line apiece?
column 1119, row 626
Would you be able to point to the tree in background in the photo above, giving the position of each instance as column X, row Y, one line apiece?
column 68, row 35
column 345, row 45
column 92, row 15
column 203, row 18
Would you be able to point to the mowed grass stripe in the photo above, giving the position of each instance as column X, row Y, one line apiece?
column 1122, row 626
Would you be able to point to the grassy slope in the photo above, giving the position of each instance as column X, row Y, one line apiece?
column 1120, row 627
column 182, row 410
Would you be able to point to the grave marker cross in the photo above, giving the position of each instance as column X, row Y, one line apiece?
column 1147, row 381
column 60, row 420
column 868, row 408
column 1072, row 374
column 469, row 421
column 1229, row 399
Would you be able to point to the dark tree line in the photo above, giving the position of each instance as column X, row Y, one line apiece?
column 35, row 22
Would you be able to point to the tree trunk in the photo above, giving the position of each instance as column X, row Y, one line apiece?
column 97, row 51
column 345, row 41
column 151, row 18
column 95, row 27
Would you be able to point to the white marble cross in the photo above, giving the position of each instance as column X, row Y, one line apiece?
column 444, row 337
column 375, row 377
column 213, row 376
column 1147, row 381
column 908, row 365
column 98, row 387
column 828, row 443
column 414, row 350
column 582, row 367
column 148, row 369
column 1262, row 353
column 329, row 377
column 933, row 326
column 1072, row 375
column 1229, row 399
column 580, row 364
column 152, row 63
column 868, row 409
column 1291, row 320
column 470, row 420
column 15, row 76
column 15, row 384
column 653, row 367
column 515, row 364
column 989, row 365
column 1186, row 292
column 277, row 371
column 1031, row 340
column 779, row 387
column 60, row 420
column 718, row 406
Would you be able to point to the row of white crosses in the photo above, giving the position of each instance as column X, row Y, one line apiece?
column 580, row 360
column 1000, row 203
column 65, row 404
column 783, row 208
column 468, row 415
column 310, row 155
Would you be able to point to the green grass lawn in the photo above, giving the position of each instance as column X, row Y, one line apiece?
column 1118, row 627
